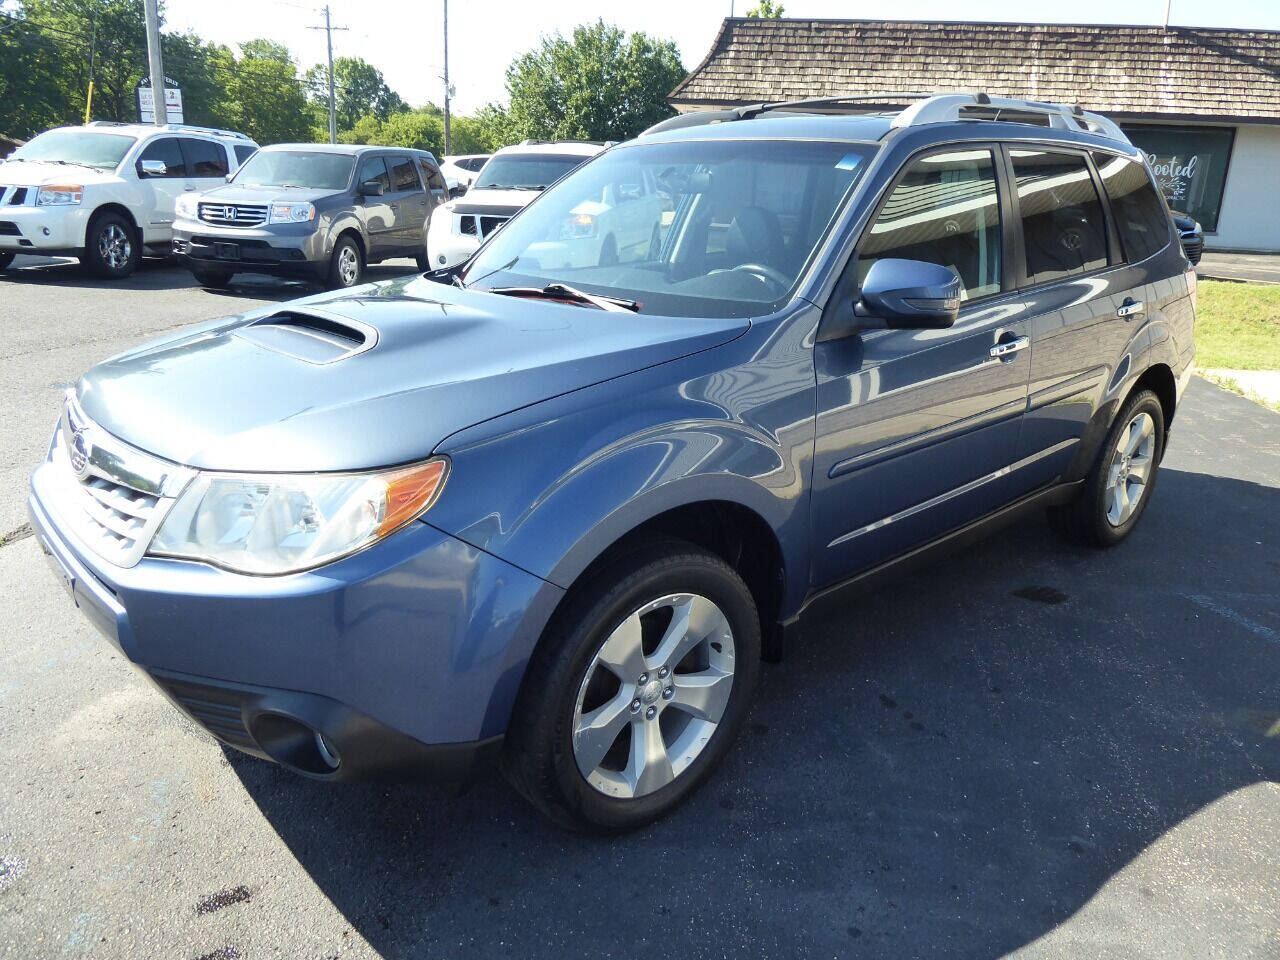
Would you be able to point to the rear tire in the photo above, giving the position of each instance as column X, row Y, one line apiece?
column 423, row 261
column 346, row 265
column 216, row 279
column 665, row 642
column 6, row 258
column 1117, row 490
column 111, row 247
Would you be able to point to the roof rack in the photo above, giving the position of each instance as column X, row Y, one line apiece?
column 923, row 108
column 213, row 131
column 951, row 107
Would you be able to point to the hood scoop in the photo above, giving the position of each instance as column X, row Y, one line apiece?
column 310, row 335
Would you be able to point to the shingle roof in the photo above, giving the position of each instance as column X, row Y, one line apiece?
column 1119, row 70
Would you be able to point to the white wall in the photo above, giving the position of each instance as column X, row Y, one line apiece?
column 1250, row 216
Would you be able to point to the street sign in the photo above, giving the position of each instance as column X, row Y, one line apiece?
column 147, row 101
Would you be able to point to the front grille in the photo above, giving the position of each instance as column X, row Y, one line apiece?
column 474, row 225
column 233, row 214
column 218, row 709
column 1193, row 247
column 9, row 229
column 13, row 196
column 111, row 496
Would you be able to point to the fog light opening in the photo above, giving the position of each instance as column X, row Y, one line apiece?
column 293, row 744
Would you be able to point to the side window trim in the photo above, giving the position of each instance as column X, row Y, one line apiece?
column 1023, row 283
column 1116, row 255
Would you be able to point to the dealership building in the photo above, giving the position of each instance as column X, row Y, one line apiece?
column 1203, row 104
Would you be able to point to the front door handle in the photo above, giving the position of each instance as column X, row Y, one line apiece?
column 1131, row 308
column 1006, row 348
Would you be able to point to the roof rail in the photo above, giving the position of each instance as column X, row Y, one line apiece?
column 214, row 131
column 106, row 123
column 950, row 107
column 924, row 108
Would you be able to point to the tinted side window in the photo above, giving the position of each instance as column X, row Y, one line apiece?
column 244, row 152
column 474, row 164
column 374, row 168
column 403, row 175
column 1141, row 216
column 1062, row 224
column 167, row 151
column 206, row 159
column 944, row 210
column 431, row 174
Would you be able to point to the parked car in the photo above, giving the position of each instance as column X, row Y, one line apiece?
column 512, row 178
column 1191, row 234
column 556, row 516
column 461, row 170
column 317, row 211
column 105, row 192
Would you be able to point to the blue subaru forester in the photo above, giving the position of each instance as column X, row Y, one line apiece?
column 554, row 510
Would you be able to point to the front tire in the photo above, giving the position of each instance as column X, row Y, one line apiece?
column 1117, row 490
column 216, row 279
column 346, row 265
column 6, row 258
column 111, row 248
column 637, row 690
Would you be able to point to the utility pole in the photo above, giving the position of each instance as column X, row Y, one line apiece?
column 93, row 51
column 446, row 78
column 328, row 29
column 1168, row 4
column 161, row 114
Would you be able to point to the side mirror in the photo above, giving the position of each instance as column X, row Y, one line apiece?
column 372, row 188
column 908, row 295
column 457, row 190
column 152, row 168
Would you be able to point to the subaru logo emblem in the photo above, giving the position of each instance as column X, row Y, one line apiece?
column 79, row 454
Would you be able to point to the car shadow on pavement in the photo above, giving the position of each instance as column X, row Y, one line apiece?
column 951, row 766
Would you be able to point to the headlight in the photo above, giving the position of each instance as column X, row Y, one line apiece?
column 60, row 195
column 275, row 523
column 292, row 212
column 186, row 206
column 578, row 226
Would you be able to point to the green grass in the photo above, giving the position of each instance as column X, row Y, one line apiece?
column 1238, row 326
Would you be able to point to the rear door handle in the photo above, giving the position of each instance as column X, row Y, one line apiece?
column 1131, row 308
column 1007, row 348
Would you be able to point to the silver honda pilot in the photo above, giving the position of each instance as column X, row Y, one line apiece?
column 317, row 211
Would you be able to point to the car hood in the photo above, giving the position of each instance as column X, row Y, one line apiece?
column 369, row 377
column 499, row 199
column 233, row 193
column 29, row 173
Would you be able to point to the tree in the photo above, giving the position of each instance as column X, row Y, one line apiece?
column 598, row 85
column 484, row 132
column 264, row 49
column 359, row 89
column 766, row 10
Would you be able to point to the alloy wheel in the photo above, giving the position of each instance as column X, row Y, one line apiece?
column 1129, row 471
column 114, row 246
column 348, row 265
column 653, row 695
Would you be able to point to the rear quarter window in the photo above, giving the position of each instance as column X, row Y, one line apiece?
column 1141, row 216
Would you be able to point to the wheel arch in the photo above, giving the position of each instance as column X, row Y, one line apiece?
column 117, row 208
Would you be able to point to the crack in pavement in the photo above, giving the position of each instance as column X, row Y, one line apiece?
column 18, row 533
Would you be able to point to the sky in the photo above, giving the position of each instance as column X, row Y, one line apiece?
column 404, row 39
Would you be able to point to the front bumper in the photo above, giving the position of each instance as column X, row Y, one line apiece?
column 286, row 249
column 405, row 658
column 43, row 230
column 445, row 248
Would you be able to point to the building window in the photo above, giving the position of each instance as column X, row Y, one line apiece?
column 1190, row 164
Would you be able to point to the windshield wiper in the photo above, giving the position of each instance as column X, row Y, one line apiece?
column 65, row 163
column 562, row 291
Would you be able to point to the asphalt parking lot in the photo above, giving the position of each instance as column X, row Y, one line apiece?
column 1022, row 749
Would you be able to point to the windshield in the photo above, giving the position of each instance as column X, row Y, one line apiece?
column 529, row 171
column 693, row 228
column 102, row 151
column 296, row 168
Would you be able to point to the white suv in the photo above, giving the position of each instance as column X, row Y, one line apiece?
column 510, row 180
column 104, row 192
column 461, row 170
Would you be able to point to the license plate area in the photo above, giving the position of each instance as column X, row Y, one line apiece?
column 226, row 251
